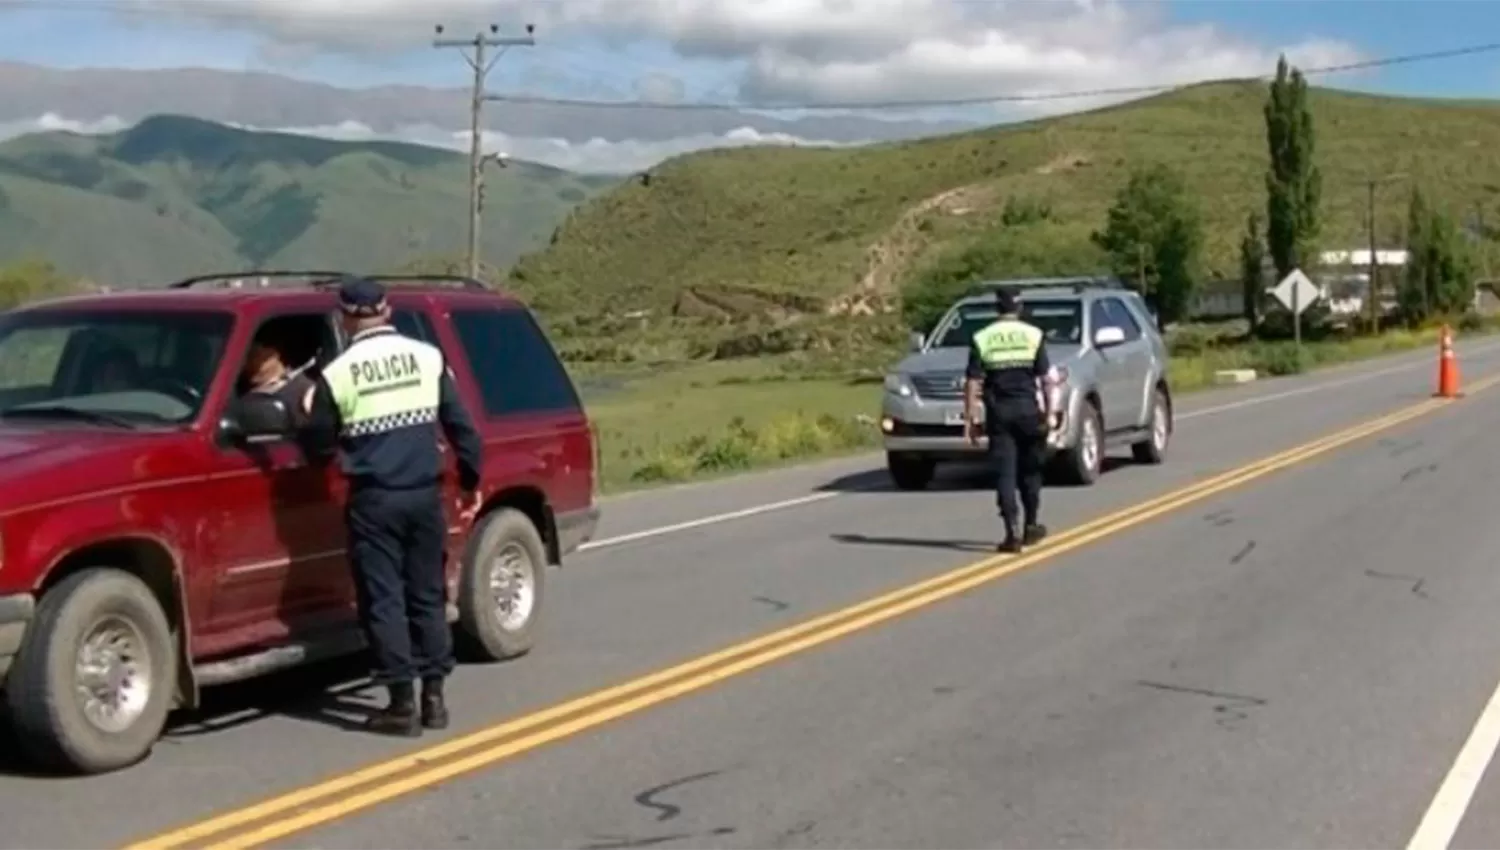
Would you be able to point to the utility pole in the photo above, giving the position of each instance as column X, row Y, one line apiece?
column 481, row 63
column 1373, row 308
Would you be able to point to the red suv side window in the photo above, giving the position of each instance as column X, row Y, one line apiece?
column 514, row 364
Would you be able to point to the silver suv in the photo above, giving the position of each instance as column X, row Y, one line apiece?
column 1100, row 335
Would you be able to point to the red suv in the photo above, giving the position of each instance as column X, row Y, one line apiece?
column 154, row 541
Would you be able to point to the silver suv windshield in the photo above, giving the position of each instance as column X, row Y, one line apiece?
column 120, row 368
column 1061, row 321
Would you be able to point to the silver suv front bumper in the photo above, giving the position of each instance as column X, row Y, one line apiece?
column 910, row 423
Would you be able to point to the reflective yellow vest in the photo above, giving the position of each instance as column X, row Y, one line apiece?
column 1008, row 344
column 385, row 382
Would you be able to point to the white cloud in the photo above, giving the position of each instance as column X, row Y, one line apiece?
column 830, row 50
column 598, row 156
column 54, row 123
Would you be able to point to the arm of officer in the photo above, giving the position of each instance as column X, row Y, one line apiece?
column 974, row 379
column 461, row 434
column 1041, row 369
column 320, row 430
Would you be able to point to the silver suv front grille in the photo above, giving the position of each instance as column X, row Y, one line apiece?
column 939, row 385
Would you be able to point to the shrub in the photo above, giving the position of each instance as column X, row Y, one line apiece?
column 1280, row 359
column 1190, row 341
column 662, row 470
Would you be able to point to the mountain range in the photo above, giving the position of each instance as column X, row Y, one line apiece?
column 99, row 96
column 174, row 196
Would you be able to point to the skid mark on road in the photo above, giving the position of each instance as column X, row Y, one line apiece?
column 1229, row 709
column 1418, row 584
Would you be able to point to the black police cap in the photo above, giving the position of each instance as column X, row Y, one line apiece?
column 361, row 296
column 1005, row 300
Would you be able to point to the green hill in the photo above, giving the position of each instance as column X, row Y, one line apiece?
column 763, row 232
column 174, row 196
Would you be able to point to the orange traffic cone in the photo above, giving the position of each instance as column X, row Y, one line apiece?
column 1447, row 366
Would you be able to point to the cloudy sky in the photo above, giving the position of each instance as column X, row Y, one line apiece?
column 758, row 52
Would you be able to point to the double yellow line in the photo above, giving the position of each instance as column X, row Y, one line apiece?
column 336, row 798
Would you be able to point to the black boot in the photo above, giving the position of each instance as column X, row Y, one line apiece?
column 1035, row 533
column 434, row 708
column 400, row 717
column 1012, row 542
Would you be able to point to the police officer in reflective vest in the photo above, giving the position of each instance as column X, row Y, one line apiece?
column 1008, row 372
column 384, row 399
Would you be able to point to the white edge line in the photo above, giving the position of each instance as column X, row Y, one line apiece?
column 1451, row 802
column 757, row 510
column 709, row 520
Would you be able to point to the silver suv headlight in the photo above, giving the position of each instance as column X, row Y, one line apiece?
column 898, row 384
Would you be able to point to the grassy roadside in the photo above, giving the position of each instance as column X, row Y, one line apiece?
column 710, row 420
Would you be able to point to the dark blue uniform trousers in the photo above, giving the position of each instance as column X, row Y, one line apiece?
column 396, row 547
column 1018, row 445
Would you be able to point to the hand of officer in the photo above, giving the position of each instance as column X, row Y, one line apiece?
column 470, row 507
column 971, row 431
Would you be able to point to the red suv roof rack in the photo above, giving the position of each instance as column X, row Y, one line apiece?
column 267, row 278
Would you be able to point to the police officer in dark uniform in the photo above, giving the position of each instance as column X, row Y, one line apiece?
column 384, row 400
column 1008, row 373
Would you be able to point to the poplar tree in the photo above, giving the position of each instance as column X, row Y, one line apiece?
column 1294, row 186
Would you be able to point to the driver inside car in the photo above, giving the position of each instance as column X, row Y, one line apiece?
column 118, row 371
column 266, row 372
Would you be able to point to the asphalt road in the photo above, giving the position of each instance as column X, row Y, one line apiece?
column 1294, row 661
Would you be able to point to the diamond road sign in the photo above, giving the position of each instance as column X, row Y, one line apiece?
column 1296, row 292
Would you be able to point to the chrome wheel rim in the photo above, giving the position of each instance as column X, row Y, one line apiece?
column 113, row 674
column 1159, row 427
column 1088, row 443
column 513, row 586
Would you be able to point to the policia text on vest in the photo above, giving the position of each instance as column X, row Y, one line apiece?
column 383, row 401
column 401, row 367
column 1007, row 372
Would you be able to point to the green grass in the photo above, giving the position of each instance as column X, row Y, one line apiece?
column 714, row 419
column 175, row 196
column 692, row 421
column 747, row 234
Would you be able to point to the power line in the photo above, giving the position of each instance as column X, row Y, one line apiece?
column 931, row 103
column 480, row 43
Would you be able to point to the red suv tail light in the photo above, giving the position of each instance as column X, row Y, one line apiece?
column 598, row 456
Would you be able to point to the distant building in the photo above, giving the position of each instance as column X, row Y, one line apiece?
column 1344, row 277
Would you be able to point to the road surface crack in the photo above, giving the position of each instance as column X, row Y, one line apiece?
column 1230, row 708
column 1243, row 553
column 1418, row 470
column 1220, row 518
column 620, row 842
column 668, row 810
column 1418, row 584
column 774, row 603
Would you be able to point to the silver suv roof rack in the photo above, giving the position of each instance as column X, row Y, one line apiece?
column 1077, row 284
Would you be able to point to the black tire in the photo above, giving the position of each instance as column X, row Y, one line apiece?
column 1153, row 449
column 42, row 689
column 499, row 537
column 910, row 472
column 1076, row 466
